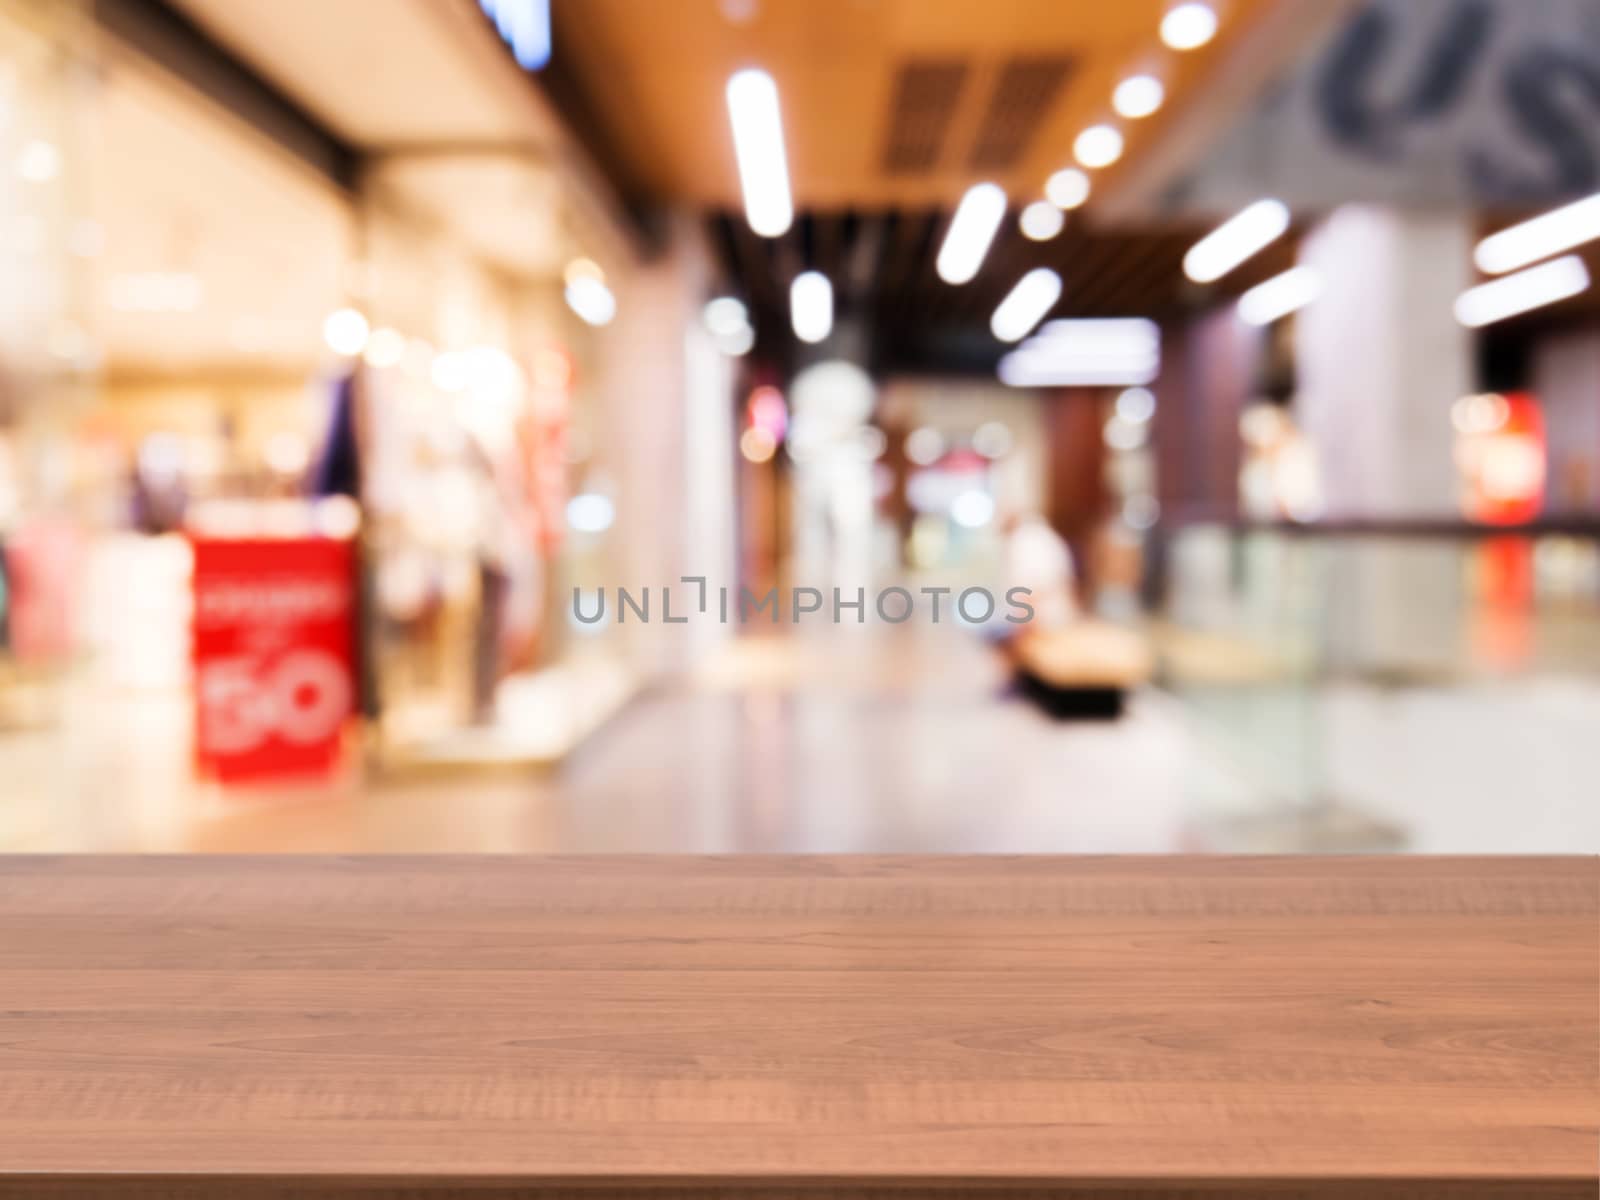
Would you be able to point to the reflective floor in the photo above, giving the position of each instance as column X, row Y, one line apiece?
column 903, row 740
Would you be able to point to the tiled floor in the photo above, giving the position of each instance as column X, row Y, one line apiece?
column 883, row 741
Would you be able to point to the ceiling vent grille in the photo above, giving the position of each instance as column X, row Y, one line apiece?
column 926, row 94
column 1024, row 90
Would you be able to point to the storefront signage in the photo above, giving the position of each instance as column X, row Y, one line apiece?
column 273, row 656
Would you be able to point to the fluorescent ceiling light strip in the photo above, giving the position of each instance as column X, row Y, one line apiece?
column 1026, row 304
column 592, row 300
column 758, row 146
column 1087, row 362
column 1100, row 333
column 1016, row 370
column 977, row 218
column 811, row 306
column 1280, row 296
column 1560, row 229
column 1240, row 237
column 1522, row 292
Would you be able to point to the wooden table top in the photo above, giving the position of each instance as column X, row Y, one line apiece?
column 219, row 1026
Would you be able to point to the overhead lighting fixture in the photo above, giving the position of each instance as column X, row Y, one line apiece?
column 811, row 306
column 758, row 146
column 589, row 297
column 1236, row 239
column 924, row 446
column 1560, row 229
column 1068, row 188
column 1138, row 96
column 728, row 322
column 1101, row 352
column 757, row 445
column 1522, row 292
column 1026, row 304
column 345, row 332
column 590, row 512
column 725, row 315
column 972, row 229
column 972, row 509
column 1189, row 25
column 1136, row 405
column 1280, row 296
column 1041, row 221
column 993, row 439
column 1098, row 146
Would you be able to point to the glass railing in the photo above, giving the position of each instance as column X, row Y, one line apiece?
column 1370, row 687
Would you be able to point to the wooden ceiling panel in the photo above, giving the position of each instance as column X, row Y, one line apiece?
column 887, row 103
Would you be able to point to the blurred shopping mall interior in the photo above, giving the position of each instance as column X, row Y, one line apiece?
column 800, row 425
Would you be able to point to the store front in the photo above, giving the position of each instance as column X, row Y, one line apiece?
column 239, row 394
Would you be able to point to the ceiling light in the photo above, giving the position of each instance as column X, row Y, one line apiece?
column 757, row 444
column 973, row 227
column 724, row 316
column 728, row 322
column 972, row 509
column 592, row 300
column 924, row 446
column 1136, row 405
column 345, row 331
column 1138, row 96
column 1098, row 146
column 737, row 343
column 590, row 512
column 992, row 439
column 1026, row 304
column 1119, row 351
column 1189, row 25
column 758, row 145
column 1124, row 435
column 1560, row 229
column 1236, row 239
column 811, row 306
column 1522, row 292
column 1067, row 188
column 1041, row 221
column 385, row 348
column 1280, row 296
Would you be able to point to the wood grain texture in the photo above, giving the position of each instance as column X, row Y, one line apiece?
column 797, row 1027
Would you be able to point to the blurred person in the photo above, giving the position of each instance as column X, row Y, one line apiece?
column 1036, row 557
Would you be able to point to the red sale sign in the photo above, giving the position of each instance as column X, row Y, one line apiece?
column 273, row 655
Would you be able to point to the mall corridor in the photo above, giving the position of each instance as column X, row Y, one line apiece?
column 893, row 740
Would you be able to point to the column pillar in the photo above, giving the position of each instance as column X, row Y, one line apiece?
column 1566, row 379
column 1380, row 360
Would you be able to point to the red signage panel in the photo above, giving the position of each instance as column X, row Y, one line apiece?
column 273, row 655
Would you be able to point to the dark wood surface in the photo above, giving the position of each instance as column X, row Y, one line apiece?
column 795, row 1027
